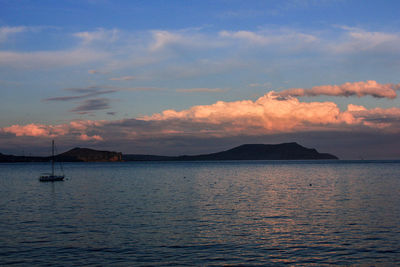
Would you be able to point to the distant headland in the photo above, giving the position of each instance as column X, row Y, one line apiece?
column 285, row 151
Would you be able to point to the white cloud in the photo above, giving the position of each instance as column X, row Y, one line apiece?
column 187, row 38
column 98, row 35
column 359, row 40
column 50, row 58
column 6, row 31
column 268, row 38
column 164, row 38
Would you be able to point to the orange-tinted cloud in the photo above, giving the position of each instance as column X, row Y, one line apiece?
column 269, row 114
column 36, row 130
column 381, row 118
column 371, row 88
column 85, row 137
column 75, row 128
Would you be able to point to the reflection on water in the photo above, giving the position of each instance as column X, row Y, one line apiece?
column 213, row 213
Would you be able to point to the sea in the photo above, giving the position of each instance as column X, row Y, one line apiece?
column 227, row 213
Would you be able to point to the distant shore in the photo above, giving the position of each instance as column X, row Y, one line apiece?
column 284, row 151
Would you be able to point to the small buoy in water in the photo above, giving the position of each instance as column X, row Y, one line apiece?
column 310, row 184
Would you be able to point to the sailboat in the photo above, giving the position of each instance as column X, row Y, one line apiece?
column 51, row 177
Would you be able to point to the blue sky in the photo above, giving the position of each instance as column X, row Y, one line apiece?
column 115, row 61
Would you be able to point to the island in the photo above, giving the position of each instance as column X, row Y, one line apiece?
column 285, row 151
column 89, row 155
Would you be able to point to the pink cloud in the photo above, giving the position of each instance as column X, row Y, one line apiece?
column 28, row 130
column 371, row 88
column 85, row 137
column 82, row 125
column 78, row 127
column 269, row 114
column 381, row 118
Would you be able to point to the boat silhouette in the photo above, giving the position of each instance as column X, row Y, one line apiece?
column 51, row 177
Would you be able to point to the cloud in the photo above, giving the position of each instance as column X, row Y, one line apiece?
column 360, row 89
column 198, row 90
column 266, row 115
column 32, row 129
column 6, row 31
column 100, row 34
column 85, row 92
column 359, row 40
column 123, row 78
column 47, row 59
column 268, row 38
column 87, row 106
column 88, row 89
column 378, row 117
column 93, row 104
column 270, row 116
column 188, row 38
column 41, row 130
column 164, row 38
column 85, row 137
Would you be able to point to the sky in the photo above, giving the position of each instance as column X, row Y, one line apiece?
column 190, row 77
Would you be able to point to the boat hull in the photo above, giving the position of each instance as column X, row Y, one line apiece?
column 51, row 178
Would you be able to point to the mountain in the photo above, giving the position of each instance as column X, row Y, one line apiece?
column 285, row 151
column 89, row 155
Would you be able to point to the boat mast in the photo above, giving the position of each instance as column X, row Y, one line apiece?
column 52, row 158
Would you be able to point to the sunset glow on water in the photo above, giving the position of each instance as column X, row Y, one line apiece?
column 190, row 132
column 202, row 214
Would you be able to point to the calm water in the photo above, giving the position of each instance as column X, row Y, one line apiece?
column 221, row 213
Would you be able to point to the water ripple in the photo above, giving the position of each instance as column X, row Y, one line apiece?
column 205, row 214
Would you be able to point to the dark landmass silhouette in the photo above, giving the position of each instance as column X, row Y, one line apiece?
column 88, row 155
column 285, row 151
column 12, row 158
column 74, row 155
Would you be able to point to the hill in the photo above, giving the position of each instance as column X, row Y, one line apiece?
column 89, row 155
column 285, row 151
